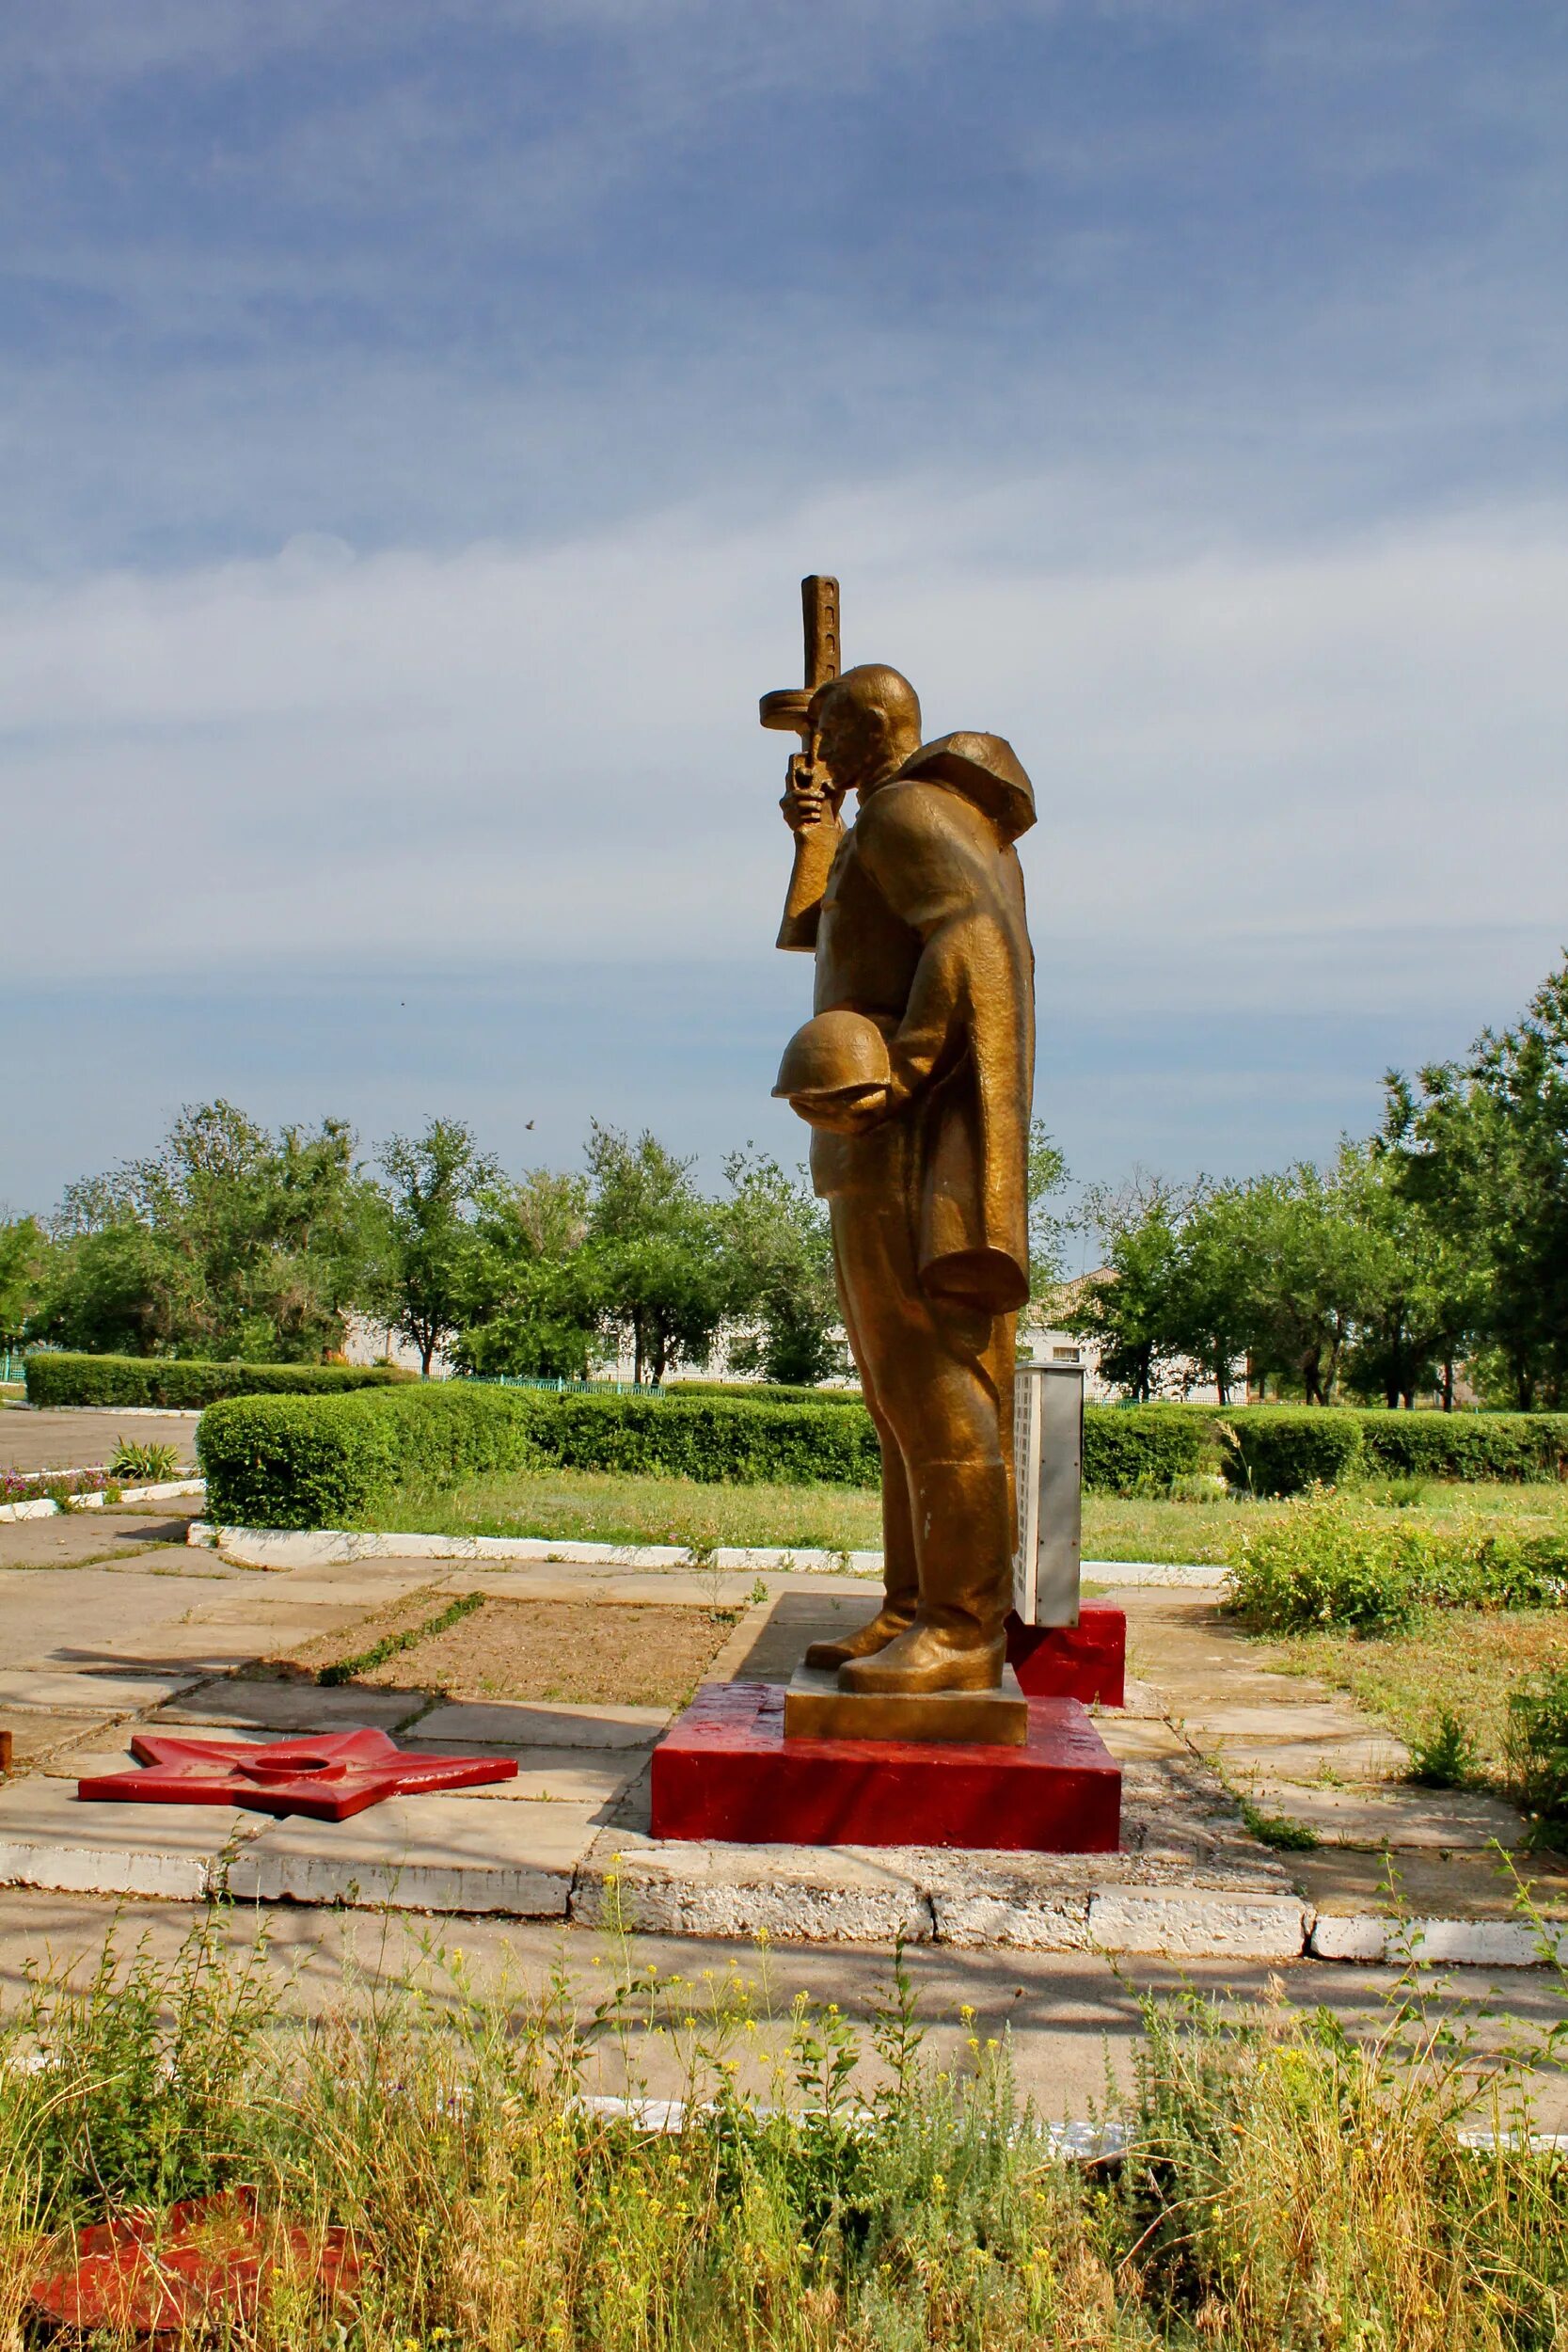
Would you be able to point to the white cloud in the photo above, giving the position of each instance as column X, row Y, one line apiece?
column 554, row 754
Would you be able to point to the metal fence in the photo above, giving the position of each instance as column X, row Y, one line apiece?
column 12, row 1362
column 565, row 1388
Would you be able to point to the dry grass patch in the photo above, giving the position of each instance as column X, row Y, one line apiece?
column 1459, row 1660
column 583, row 1653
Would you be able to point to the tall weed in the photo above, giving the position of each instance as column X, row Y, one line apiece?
column 1329, row 1560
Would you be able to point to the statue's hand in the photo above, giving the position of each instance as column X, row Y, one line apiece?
column 844, row 1114
column 809, row 799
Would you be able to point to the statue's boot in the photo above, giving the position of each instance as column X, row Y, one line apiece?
column 939, row 1652
column 893, row 1619
column 956, row 1642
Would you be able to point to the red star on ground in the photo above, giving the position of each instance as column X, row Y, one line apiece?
column 328, row 1777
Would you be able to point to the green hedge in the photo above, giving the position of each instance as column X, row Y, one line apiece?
column 1138, row 1448
column 1466, row 1445
column 56, row 1377
column 1277, row 1451
column 321, row 1462
column 282, row 1462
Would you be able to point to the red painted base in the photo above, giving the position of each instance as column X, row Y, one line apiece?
column 725, row 1771
column 196, row 2265
column 1086, row 1660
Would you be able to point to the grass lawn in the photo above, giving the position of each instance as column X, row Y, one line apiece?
column 604, row 1507
column 1461, row 1660
column 597, row 1506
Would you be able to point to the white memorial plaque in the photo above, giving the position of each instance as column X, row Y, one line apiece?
column 1048, row 1454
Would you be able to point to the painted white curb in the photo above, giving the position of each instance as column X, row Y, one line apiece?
column 45, row 1509
column 316, row 1547
column 124, row 1413
column 328, row 1547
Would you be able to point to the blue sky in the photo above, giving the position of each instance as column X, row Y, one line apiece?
column 416, row 418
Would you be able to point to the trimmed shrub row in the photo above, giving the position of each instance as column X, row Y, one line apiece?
column 1138, row 1448
column 1275, row 1451
column 762, row 1393
column 325, row 1461
column 321, row 1462
column 56, row 1376
column 313, row 1461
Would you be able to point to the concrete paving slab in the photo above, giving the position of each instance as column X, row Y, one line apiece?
column 1396, row 1818
column 283, row 1707
column 1200, row 1925
column 1376, row 1757
column 63, row 1616
column 1143, row 1736
column 95, row 1691
column 570, row 1776
column 37, row 1731
column 1343, row 1882
column 424, row 1853
column 507, row 1723
column 1439, row 1943
column 48, row 1837
column 107, row 1749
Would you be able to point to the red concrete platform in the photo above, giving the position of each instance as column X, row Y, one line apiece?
column 1086, row 1660
column 725, row 1771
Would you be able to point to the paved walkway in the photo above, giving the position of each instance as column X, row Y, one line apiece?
column 81, row 1441
column 112, row 1623
column 1074, row 2021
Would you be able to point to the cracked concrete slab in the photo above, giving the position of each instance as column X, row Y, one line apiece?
column 424, row 1853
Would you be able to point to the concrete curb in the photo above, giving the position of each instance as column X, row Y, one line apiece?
column 327, row 1547
column 44, row 1509
column 129, row 1412
column 1369, row 1939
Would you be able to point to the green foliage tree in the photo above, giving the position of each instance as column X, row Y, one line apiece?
column 1127, row 1307
column 655, row 1261
column 1047, row 1226
column 1481, row 1146
column 780, row 1252
column 433, row 1185
column 24, row 1262
column 529, row 1311
column 229, row 1240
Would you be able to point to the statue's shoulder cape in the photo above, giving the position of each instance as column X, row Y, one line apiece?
column 986, row 770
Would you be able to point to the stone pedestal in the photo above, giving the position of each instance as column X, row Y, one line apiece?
column 816, row 1709
column 726, row 1771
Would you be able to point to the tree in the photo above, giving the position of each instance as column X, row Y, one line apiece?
column 227, row 1240
column 528, row 1308
column 433, row 1184
column 1129, row 1307
column 1048, row 1229
column 655, row 1256
column 780, row 1252
column 1483, row 1151
column 24, row 1261
column 1209, row 1310
column 1308, row 1274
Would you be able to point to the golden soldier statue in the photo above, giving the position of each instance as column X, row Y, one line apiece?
column 915, row 1076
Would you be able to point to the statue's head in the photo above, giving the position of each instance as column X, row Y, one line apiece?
column 867, row 724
